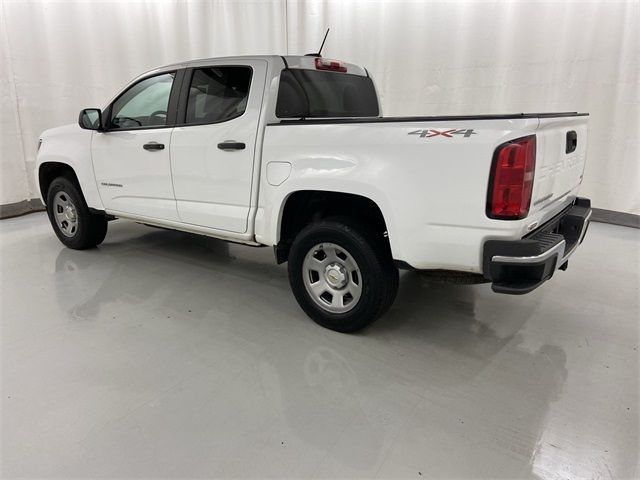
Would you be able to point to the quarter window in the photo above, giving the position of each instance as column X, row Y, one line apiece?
column 143, row 105
column 217, row 94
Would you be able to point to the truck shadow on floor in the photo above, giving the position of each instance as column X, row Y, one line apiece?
column 199, row 280
column 185, row 272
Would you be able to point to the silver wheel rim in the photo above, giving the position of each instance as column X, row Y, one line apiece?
column 65, row 213
column 332, row 277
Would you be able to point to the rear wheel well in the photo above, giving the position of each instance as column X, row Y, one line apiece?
column 307, row 206
column 49, row 171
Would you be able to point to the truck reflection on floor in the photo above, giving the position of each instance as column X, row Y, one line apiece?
column 446, row 368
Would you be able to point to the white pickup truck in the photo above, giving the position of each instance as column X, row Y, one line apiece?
column 292, row 152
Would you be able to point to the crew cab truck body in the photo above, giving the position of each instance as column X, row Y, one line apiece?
column 293, row 153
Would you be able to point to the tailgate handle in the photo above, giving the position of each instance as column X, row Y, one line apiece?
column 572, row 141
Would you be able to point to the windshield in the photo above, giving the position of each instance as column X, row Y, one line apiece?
column 312, row 94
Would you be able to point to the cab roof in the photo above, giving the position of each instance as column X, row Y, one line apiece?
column 291, row 61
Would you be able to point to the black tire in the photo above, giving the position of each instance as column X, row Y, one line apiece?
column 90, row 229
column 373, row 257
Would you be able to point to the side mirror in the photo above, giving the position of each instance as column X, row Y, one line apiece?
column 90, row 119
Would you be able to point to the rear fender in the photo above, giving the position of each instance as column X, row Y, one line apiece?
column 334, row 175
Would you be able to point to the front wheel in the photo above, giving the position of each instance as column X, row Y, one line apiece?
column 341, row 274
column 70, row 217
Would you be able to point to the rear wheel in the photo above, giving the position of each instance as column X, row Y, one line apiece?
column 73, row 223
column 341, row 274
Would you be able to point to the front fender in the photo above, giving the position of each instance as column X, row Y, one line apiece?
column 70, row 145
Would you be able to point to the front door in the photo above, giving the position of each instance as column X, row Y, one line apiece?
column 212, row 147
column 131, row 158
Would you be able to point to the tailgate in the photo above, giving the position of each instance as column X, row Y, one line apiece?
column 561, row 147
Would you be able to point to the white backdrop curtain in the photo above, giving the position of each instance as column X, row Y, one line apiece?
column 426, row 58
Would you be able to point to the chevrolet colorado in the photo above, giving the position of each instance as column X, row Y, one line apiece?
column 292, row 152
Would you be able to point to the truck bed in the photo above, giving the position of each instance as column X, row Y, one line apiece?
column 428, row 175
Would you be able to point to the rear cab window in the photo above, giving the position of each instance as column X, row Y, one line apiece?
column 305, row 93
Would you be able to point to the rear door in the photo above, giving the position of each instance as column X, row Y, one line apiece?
column 561, row 147
column 213, row 145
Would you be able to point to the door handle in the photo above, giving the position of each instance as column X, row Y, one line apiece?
column 572, row 141
column 231, row 145
column 153, row 146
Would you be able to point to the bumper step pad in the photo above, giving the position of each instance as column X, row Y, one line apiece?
column 520, row 266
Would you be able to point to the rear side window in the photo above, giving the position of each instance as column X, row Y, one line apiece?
column 217, row 94
column 311, row 93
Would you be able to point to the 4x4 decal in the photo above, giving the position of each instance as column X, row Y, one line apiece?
column 467, row 132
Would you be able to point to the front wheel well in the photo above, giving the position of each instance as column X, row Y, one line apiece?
column 304, row 207
column 49, row 171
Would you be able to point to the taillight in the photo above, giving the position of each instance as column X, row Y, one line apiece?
column 332, row 65
column 511, row 181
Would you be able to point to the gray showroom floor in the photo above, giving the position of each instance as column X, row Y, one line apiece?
column 162, row 354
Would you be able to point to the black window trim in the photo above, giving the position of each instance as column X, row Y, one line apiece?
column 171, row 107
column 181, row 119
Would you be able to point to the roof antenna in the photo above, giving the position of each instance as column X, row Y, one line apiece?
column 321, row 46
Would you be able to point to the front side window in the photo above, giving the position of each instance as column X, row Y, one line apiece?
column 217, row 94
column 316, row 94
column 143, row 105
